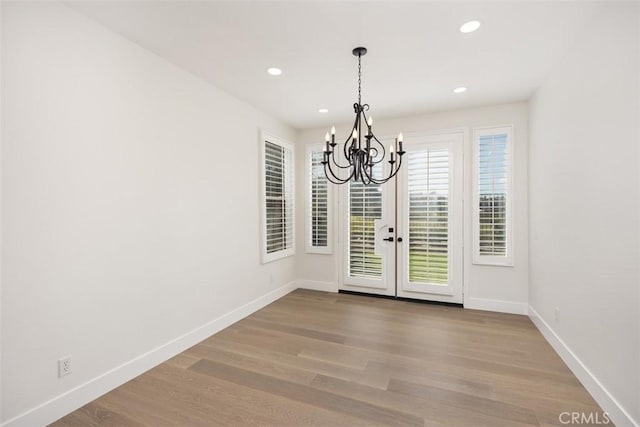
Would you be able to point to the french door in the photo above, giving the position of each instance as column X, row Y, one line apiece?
column 404, row 238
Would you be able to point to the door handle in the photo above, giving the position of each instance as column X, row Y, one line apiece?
column 388, row 239
column 399, row 239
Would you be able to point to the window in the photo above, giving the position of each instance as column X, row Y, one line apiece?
column 278, row 202
column 318, row 204
column 493, row 170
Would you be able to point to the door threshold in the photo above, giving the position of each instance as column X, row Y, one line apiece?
column 421, row 301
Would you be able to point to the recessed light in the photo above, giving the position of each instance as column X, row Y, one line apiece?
column 469, row 27
column 323, row 110
column 274, row 71
column 460, row 89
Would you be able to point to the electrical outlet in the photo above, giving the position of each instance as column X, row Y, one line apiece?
column 557, row 314
column 64, row 366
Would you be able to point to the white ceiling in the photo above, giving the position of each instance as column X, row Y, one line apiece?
column 416, row 53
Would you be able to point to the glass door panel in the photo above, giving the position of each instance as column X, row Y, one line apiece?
column 369, row 265
column 430, row 219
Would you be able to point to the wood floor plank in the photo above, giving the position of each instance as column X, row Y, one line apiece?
column 482, row 405
column 379, row 379
column 95, row 414
column 368, row 412
column 433, row 411
column 323, row 359
column 253, row 364
column 264, row 408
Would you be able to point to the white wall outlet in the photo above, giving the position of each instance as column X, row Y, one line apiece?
column 557, row 314
column 64, row 366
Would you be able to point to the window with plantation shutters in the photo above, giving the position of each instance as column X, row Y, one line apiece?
column 278, row 201
column 365, row 207
column 318, row 204
column 428, row 197
column 493, row 165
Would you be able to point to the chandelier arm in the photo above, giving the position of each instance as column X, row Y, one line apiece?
column 384, row 151
column 337, row 180
column 336, row 163
column 349, row 137
column 374, row 180
column 365, row 178
column 327, row 175
column 332, row 173
column 397, row 169
column 394, row 171
column 368, row 176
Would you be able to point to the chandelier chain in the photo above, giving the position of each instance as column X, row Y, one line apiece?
column 359, row 81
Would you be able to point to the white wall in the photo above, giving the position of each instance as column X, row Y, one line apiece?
column 584, row 214
column 124, row 223
column 486, row 287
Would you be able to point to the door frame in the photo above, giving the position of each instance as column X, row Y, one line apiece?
column 453, row 293
column 387, row 248
column 340, row 212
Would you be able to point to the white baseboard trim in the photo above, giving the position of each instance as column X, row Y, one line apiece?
column 316, row 285
column 49, row 411
column 600, row 394
column 495, row 305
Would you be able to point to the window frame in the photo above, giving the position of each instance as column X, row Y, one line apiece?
column 506, row 260
column 290, row 173
column 309, row 247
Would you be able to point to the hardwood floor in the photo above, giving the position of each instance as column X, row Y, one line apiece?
column 314, row 358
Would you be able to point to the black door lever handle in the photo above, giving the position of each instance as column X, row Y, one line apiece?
column 388, row 239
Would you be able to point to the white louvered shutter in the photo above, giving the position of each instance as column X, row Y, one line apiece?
column 493, row 192
column 279, row 200
column 318, row 202
column 365, row 206
column 428, row 199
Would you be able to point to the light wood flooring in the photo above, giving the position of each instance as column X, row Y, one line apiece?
column 314, row 358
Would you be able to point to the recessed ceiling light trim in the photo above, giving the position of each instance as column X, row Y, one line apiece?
column 323, row 110
column 460, row 89
column 274, row 71
column 470, row 26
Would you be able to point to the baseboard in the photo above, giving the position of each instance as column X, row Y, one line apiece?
column 600, row 394
column 495, row 305
column 316, row 285
column 73, row 399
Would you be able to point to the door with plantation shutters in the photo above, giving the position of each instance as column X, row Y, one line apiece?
column 404, row 238
column 430, row 204
column 368, row 259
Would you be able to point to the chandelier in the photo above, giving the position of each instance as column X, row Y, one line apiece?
column 362, row 156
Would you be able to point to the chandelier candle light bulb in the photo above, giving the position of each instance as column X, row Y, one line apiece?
column 361, row 158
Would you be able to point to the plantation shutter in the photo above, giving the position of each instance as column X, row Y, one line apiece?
column 278, row 198
column 493, row 192
column 365, row 206
column 318, row 201
column 428, row 194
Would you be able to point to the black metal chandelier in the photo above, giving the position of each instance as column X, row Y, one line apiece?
column 362, row 157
